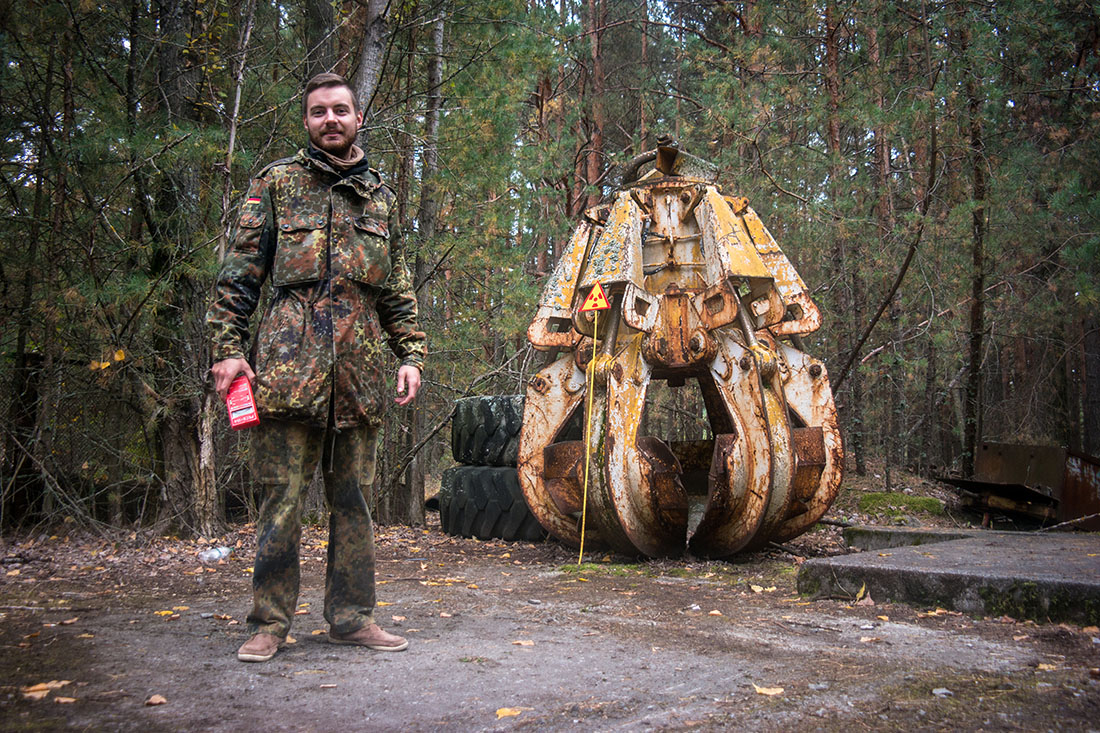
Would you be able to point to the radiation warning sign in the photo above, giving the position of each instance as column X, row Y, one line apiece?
column 596, row 300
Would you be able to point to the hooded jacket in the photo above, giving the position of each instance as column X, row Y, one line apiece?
column 339, row 281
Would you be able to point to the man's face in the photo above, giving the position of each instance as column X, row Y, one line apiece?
column 331, row 120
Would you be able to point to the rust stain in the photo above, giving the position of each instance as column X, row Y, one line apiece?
column 774, row 463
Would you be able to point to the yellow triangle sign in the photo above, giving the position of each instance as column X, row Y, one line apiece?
column 596, row 300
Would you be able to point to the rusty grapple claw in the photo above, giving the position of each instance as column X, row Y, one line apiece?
column 697, row 289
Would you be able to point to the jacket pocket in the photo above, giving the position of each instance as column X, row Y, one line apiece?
column 300, row 250
column 365, row 251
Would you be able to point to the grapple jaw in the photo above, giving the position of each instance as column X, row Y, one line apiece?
column 698, row 290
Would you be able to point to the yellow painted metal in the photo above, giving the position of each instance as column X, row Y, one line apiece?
column 740, row 478
column 552, row 396
column 700, row 290
column 616, row 256
column 807, row 318
column 809, row 396
column 556, row 303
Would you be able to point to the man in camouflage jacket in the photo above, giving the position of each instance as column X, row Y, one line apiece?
column 318, row 227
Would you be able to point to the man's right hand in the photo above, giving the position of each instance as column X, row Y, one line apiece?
column 226, row 370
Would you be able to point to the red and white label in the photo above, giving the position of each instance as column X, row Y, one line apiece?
column 241, row 404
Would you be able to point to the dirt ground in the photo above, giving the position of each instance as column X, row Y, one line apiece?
column 513, row 637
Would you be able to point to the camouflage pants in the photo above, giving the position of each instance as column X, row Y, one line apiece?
column 285, row 455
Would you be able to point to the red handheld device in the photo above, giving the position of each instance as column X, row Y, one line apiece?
column 241, row 404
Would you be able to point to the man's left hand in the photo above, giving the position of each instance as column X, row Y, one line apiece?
column 408, row 384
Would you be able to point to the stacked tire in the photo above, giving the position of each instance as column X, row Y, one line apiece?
column 482, row 498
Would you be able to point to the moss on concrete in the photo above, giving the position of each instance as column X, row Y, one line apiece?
column 1025, row 600
column 896, row 506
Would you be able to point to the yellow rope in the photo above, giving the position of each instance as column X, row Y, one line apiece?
column 588, row 428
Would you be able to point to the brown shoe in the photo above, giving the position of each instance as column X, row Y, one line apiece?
column 372, row 637
column 260, row 648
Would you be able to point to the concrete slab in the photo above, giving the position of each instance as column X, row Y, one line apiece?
column 1043, row 577
column 882, row 538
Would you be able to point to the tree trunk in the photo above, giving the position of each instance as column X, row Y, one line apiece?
column 185, row 428
column 1091, row 384
column 594, row 152
column 21, row 489
column 972, row 403
column 849, row 301
column 884, row 216
column 372, row 57
column 320, row 37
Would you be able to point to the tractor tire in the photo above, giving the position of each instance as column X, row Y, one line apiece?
column 486, row 502
column 485, row 430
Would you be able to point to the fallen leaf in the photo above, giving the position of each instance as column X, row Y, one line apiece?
column 583, row 580
column 64, row 700
column 715, row 612
column 290, row 639
column 156, row 700
column 36, row 694
column 883, row 618
column 302, row 612
column 383, row 603
column 163, row 613
column 1090, row 630
column 472, row 586
column 869, row 639
column 767, row 690
column 508, row 712
column 13, row 573
column 181, row 608
column 757, row 588
column 862, row 592
column 250, row 571
column 444, row 614
column 397, row 619
column 1047, row 667
column 1019, row 637
column 85, row 636
column 33, row 635
column 523, row 642
column 317, row 632
column 223, row 617
column 328, row 686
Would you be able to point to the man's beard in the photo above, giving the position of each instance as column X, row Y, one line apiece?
column 338, row 148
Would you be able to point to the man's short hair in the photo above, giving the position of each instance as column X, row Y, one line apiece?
column 327, row 79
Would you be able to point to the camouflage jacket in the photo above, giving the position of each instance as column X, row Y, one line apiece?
column 338, row 281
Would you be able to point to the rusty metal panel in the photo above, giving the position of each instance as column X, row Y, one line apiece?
column 810, row 398
column 1047, row 483
column 1038, row 467
column 557, row 294
column 704, row 296
column 732, row 254
column 615, row 258
column 806, row 316
column 1081, row 490
column 552, row 396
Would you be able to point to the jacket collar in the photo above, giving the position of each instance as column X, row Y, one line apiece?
column 362, row 177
